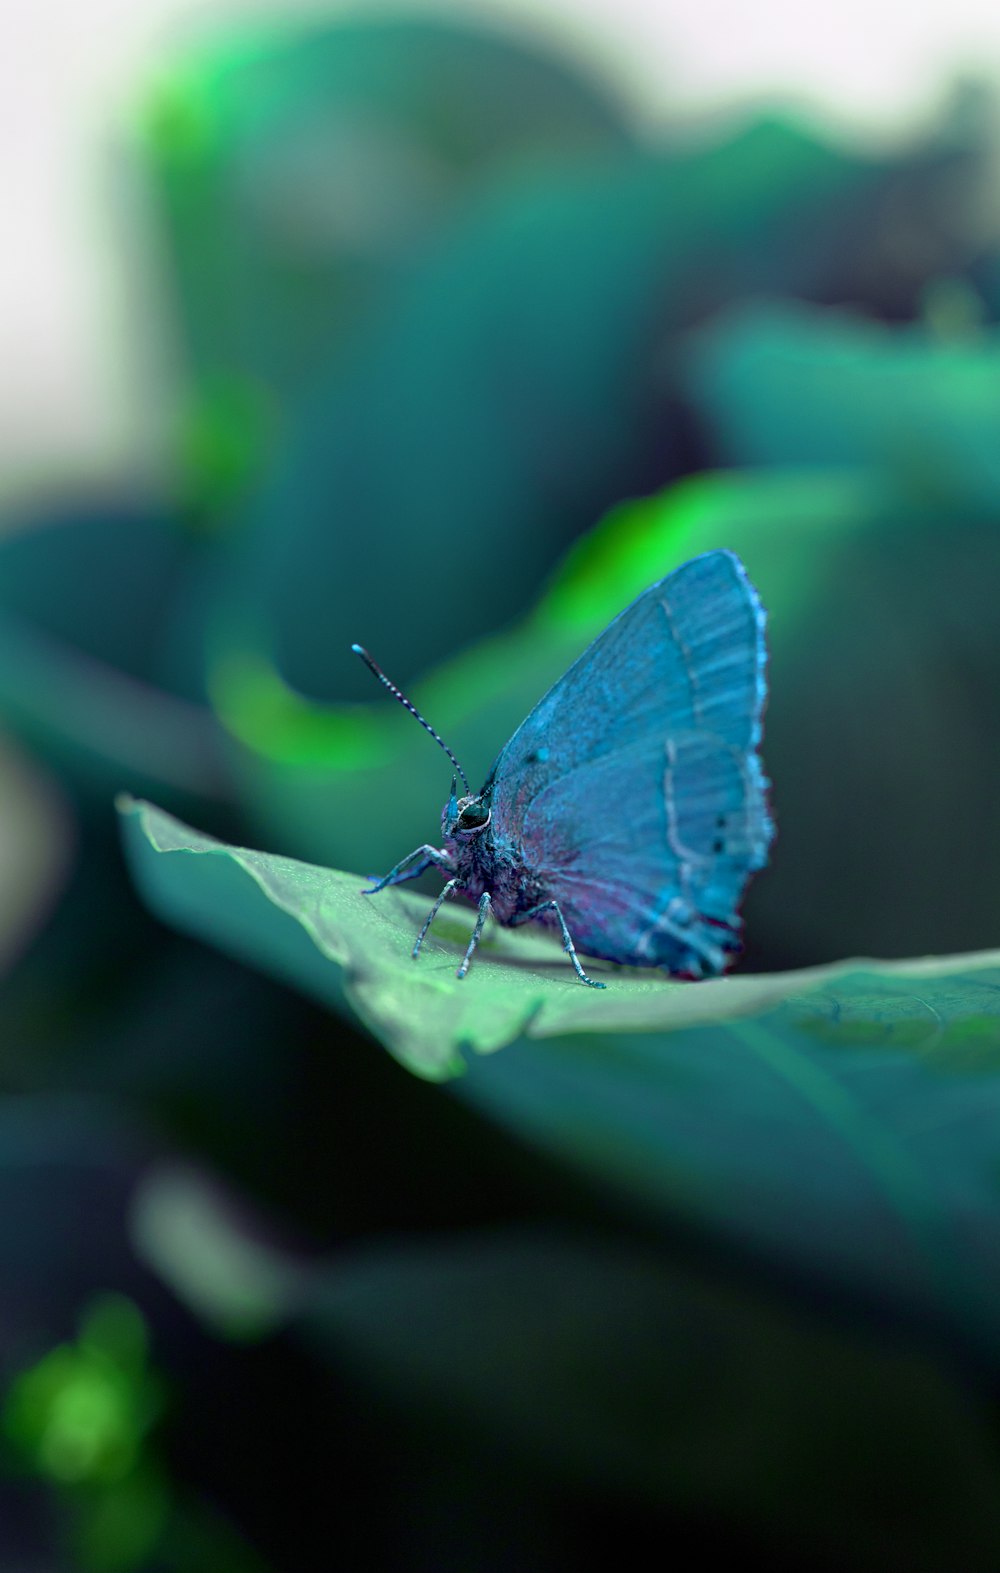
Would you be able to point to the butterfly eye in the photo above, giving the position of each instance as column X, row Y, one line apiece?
column 473, row 817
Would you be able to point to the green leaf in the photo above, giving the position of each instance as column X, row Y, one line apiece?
column 299, row 170
column 324, row 779
column 845, row 1120
column 787, row 384
column 608, row 1367
column 884, row 666
column 849, row 1134
column 600, row 1363
column 531, row 394
column 520, row 981
column 36, row 845
column 92, row 673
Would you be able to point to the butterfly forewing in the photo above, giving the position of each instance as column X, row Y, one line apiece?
column 633, row 792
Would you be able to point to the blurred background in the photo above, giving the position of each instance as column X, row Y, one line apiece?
column 321, row 324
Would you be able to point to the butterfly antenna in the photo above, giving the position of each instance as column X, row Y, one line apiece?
column 373, row 666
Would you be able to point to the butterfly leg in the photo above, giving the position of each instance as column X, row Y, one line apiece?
column 414, row 864
column 484, row 907
column 432, row 914
column 568, row 946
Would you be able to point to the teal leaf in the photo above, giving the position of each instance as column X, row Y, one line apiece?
column 536, row 393
column 793, row 385
column 604, row 1364
column 36, row 847
column 841, row 1120
column 884, row 660
column 314, row 927
column 611, row 1368
column 848, row 1134
column 91, row 675
column 299, row 169
column 324, row 779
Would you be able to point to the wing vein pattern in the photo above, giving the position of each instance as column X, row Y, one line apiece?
column 633, row 794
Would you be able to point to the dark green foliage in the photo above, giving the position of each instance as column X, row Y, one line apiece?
column 708, row 1268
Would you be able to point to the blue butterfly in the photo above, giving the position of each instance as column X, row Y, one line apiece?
column 629, row 810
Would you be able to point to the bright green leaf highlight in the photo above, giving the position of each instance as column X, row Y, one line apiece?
column 185, row 1232
column 257, row 704
column 81, row 1414
column 635, row 544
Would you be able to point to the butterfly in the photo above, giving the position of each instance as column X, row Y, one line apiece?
column 629, row 810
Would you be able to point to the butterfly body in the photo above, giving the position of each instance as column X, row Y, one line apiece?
column 629, row 809
column 486, row 867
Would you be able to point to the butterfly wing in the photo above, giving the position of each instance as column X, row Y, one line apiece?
column 633, row 793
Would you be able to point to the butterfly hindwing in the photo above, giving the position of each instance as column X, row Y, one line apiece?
column 633, row 792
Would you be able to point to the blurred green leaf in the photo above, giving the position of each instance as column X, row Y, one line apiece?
column 324, row 780
column 481, row 426
column 222, row 436
column 845, row 1118
column 119, row 1528
column 600, row 1364
column 98, row 727
column 786, row 385
column 96, row 575
column 881, row 735
column 82, row 1413
column 82, row 1417
column 189, row 1233
column 301, row 169
column 96, row 671
column 423, row 1013
column 36, row 844
column 607, row 1367
column 848, row 1133
column 533, row 400
column 516, row 385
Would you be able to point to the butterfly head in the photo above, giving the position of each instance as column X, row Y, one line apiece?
column 464, row 816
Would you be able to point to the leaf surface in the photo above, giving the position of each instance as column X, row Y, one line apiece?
column 841, row 1120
